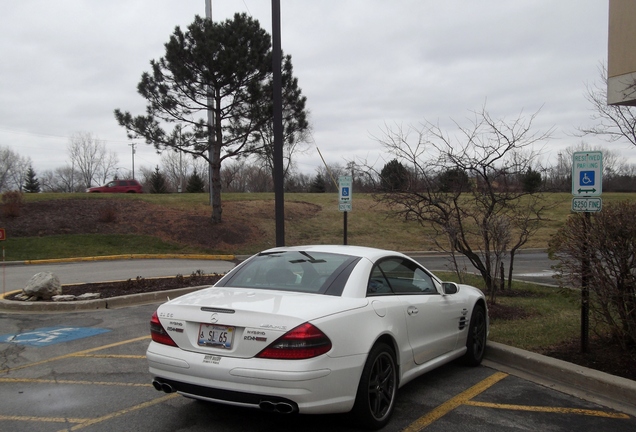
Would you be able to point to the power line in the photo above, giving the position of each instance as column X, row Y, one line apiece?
column 53, row 136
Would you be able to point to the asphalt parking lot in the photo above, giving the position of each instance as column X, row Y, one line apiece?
column 87, row 371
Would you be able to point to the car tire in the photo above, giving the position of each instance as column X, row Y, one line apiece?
column 477, row 335
column 375, row 398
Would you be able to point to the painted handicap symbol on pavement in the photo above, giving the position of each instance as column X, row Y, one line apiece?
column 51, row 335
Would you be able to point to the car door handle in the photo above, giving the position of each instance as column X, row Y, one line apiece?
column 412, row 310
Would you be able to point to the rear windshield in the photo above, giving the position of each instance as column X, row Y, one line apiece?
column 311, row 272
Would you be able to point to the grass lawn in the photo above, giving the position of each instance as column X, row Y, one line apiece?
column 531, row 317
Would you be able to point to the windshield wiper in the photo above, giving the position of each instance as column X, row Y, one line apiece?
column 311, row 259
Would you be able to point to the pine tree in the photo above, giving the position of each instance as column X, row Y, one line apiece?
column 318, row 185
column 531, row 181
column 394, row 176
column 195, row 183
column 31, row 182
column 158, row 182
column 231, row 60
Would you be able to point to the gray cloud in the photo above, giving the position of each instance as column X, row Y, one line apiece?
column 362, row 63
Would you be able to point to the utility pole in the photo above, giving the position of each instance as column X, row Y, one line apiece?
column 279, row 191
column 211, row 122
column 133, row 159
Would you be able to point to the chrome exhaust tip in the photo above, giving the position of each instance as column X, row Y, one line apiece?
column 277, row 407
column 164, row 387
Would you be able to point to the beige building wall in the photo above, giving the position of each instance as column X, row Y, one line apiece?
column 621, row 53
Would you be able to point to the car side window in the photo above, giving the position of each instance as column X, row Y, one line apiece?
column 405, row 277
column 378, row 285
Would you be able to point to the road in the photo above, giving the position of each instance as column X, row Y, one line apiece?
column 15, row 277
column 533, row 266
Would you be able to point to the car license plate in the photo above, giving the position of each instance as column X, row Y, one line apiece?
column 216, row 336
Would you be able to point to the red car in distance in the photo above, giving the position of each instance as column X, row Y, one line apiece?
column 118, row 186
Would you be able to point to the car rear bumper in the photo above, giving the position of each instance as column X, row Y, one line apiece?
column 315, row 386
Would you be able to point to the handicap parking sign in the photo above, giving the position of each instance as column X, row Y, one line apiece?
column 587, row 174
column 586, row 178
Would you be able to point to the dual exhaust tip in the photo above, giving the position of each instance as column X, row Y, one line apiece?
column 164, row 387
column 277, row 407
column 265, row 405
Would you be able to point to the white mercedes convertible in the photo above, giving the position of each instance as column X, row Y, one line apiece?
column 316, row 329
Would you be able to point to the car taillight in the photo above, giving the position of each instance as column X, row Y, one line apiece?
column 303, row 342
column 158, row 333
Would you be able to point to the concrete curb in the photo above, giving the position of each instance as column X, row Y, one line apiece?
column 124, row 257
column 588, row 384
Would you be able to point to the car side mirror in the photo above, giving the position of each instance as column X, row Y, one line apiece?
column 450, row 287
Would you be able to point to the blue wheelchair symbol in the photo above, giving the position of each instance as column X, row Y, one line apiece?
column 586, row 178
column 345, row 191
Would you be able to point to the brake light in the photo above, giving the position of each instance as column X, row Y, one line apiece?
column 304, row 342
column 158, row 333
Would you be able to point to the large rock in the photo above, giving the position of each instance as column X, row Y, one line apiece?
column 43, row 285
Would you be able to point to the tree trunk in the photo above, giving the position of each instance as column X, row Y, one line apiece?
column 512, row 260
column 215, row 162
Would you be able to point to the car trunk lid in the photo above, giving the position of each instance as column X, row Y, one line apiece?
column 240, row 322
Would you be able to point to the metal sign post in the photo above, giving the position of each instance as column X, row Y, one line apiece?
column 3, row 237
column 587, row 187
column 344, row 201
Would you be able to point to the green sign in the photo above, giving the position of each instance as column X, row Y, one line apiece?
column 345, row 187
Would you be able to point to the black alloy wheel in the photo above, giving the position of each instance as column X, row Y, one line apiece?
column 477, row 334
column 375, row 398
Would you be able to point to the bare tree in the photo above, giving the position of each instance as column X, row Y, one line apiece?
column 613, row 122
column 481, row 212
column 91, row 160
column 13, row 167
column 258, row 179
column 145, row 175
column 107, row 167
column 233, row 177
column 331, row 172
column 18, row 174
column 609, row 270
column 58, row 180
column 7, row 161
column 177, row 166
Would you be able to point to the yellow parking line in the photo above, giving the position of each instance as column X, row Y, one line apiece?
column 465, row 397
column 558, row 410
column 43, row 419
column 45, row 381
column 453, row 403
column 120, row 413
column 79, row 353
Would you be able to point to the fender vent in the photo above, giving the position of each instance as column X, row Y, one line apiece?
column 463, row 322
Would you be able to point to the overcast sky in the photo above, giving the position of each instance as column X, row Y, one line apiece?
column 66, row 64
